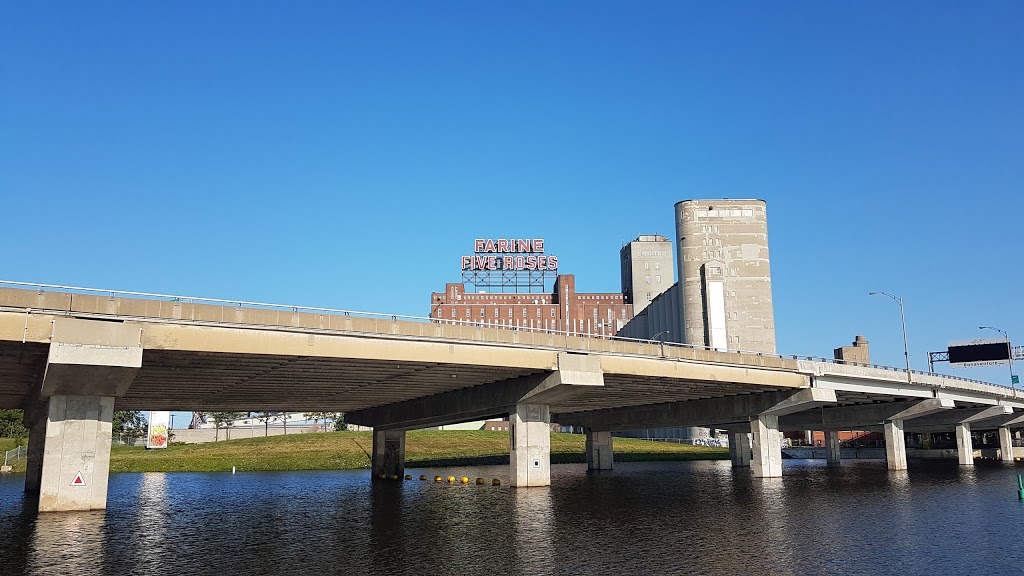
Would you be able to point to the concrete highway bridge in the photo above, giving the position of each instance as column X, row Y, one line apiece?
column 71, row 356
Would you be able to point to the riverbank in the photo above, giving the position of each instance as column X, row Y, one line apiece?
column 351, row 450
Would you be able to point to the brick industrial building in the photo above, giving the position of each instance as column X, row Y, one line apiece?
column 511, row 278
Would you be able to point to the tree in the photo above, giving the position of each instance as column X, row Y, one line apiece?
column 266, row 417
column 129, row 423
column 11, row 424
column 225, row 419
column 339, row 421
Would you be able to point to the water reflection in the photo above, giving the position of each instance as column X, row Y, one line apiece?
column 655, row 518
column 67, row 543
column 533, row 530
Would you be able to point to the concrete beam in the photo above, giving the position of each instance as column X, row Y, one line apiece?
column 739, row 450
column 860, row 416
column 833, row 448
column 576, row 373
column 1005, row 444
column 388, row 460
column 530, row 445
column 895, row 445
column 599, row 452
column 964, row 444
column 91, row 358
column 951, row 418
column 766, row 447
column 706, row 412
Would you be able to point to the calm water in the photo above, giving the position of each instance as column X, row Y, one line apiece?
column 663, row 518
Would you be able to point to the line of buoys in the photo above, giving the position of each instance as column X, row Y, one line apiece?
column 438, row 479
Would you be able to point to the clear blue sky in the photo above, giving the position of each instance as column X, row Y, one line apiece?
column 346, row 154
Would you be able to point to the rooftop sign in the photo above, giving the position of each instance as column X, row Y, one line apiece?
column 512, row 254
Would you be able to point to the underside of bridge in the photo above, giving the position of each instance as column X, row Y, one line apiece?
column 70, row 373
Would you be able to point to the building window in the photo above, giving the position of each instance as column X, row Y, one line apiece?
column 453, row 312
column 658, row 278
column 510, row 312
column 524, row 311
column 647, row 265
column 538, row 312
column 552, row 312
column 481, row 312
column 657, row 265
column 469, row 315
column 647, row 279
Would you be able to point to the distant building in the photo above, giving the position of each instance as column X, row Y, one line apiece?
column 647, row 269
column 510, row 289
column 723, row 299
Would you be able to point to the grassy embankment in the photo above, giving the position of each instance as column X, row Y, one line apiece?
column 350, row 450
column 9, row 444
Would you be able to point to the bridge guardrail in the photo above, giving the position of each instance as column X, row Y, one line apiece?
column 240, row 304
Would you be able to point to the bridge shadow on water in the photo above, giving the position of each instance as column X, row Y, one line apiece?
column 641, row 518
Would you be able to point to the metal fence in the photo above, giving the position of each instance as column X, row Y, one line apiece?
column 18, row 453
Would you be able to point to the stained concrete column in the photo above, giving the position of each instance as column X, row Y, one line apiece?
column 599, row 450
column 833, row 449
column 530, row 445
column 1005, row 444
column 88, row 365
column 69, row 461
column 767, row 446
column 388, row 454
column 895, row 445
column 739, row 449
column 964, row 445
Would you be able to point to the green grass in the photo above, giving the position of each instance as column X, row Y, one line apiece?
column 351, row 450
column 9, row 444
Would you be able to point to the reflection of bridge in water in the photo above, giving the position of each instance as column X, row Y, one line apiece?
column 70, row 356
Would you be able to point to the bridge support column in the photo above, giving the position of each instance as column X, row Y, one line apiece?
column 530, row 445
column 1005, row 444
column 767, row 447
column 964, row 444
column 69, row 461
column 832, row 447
column 739, row 449
column 895, row 445
column 88, row 365
column 388, row 454
column 599, row 450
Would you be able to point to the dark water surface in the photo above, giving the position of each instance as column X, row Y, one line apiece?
column 657, row 518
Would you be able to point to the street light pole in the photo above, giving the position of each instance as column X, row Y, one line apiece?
column 903, row 320
column 1009, row 349
column 661, row 342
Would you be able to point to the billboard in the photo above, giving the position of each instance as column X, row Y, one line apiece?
column 159, row 424
column 979, row 352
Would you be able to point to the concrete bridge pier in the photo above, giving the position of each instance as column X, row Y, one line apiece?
column 1005, row 444
column 599, row 450
column 739, row 449
column 530, row 445
column 388, row 458
column 895, row 444
column 833, row 449
column 964, row 444
column 767, row 446
column 88, row 365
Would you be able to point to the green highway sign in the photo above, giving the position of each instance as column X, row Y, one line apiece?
column 1015, row 380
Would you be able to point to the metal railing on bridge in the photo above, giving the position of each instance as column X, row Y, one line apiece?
column 241, row 304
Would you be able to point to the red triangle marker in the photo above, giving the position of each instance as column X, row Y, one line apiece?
column 78, row 481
